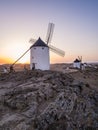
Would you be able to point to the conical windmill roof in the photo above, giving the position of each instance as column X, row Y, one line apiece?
column 40, row 43
column 76, row 60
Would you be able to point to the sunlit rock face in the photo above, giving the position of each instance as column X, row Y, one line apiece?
column 46, row 100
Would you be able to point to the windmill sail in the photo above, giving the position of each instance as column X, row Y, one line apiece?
column 32, row 40
column 56, row 50
column 80, row 58
column 49, row 33
column 48, row 40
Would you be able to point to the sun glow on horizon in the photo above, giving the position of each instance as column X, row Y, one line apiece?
column 13, row 52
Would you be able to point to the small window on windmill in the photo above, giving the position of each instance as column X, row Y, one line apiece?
column 34, row 48
column 42, row 48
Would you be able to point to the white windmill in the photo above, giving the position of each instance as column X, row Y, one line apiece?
column 77, row 62
column 39, row 51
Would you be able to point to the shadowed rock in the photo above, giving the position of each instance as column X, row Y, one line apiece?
column 46, row 100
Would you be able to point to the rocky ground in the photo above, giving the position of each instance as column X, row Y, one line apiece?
column 49, row 100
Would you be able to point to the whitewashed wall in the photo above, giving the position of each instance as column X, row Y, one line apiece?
column 40, row 56
column 77, row 65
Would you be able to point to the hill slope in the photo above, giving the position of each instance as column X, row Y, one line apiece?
column 46, row 100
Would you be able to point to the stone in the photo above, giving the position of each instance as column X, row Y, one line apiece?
column 46, row 100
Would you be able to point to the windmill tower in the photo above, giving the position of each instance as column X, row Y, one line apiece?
column 77, row 62
column 39, row 56
column 39, row 51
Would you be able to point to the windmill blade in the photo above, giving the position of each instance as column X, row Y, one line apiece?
column 80, row 58
column 49, row 32
column 20, row 57
column 32, row 40
column 56, row 50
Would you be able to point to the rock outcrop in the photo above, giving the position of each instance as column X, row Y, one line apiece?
column 46, row 100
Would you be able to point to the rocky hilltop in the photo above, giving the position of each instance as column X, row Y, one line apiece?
column 47, row 100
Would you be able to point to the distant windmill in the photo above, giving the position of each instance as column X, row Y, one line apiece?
column 39, row 51
column 77, row 62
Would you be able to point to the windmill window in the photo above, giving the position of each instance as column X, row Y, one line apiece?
column 42, row 47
